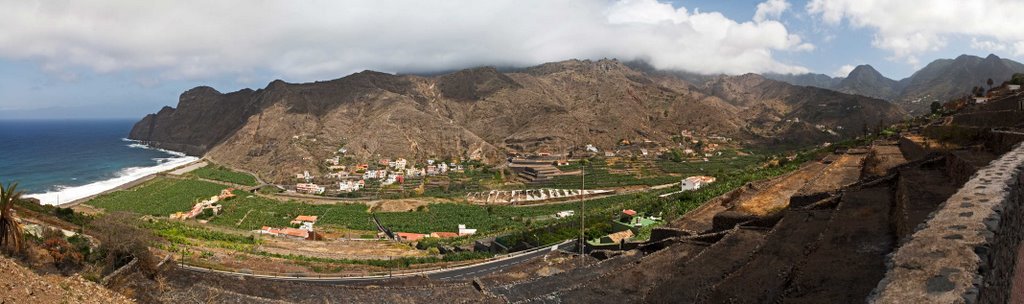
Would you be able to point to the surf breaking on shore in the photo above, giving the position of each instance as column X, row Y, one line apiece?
column 63, row 194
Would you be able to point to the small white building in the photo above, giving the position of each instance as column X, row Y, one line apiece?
column 465, row 231
column 350, row 185
column 980, row 100
column 695, row 182
column 1013, row 87
column 591, row 148
column 398, row 164
column 565, row 213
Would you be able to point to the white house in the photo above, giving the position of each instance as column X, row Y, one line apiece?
column 306, row 221
column 399, row 164
column 1013, row 87
column 350, row 185
column 465, row 231
column 413, row 172
column 695, row 182
column 565, row 213
column 309, row 188
column 442, row 168
column 591, row 148
column 391, row 179
column 375, row 174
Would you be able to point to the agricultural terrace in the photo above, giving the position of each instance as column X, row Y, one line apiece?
column 224, row 240
column 220, row 173
column 163, row 196
column 623, row 172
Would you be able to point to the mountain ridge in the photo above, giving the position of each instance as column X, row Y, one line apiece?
column 939, row 81
column 482, row 113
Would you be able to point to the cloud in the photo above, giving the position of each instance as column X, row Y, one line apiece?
column 770, row 9
column 319, row 39
column 844, row 70
column 909, row 28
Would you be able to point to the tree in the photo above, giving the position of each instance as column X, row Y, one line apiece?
column 989, row 82
column 936, row 107
column 11, row 233
column 1017, row 79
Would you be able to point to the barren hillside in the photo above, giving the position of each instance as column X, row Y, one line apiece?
column 483, row 113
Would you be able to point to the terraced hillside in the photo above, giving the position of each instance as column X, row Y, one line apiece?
column 827, row 238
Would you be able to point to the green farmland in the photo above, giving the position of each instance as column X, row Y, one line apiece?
column 219, row 173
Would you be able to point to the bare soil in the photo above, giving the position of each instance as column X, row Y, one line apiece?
column 20, row 285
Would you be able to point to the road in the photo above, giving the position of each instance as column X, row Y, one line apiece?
column 467, row 272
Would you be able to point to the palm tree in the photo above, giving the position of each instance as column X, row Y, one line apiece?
column 10, row 230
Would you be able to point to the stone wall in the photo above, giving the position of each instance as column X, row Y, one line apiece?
column 966, row 251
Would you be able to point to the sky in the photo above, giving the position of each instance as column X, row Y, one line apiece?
column 122, row 59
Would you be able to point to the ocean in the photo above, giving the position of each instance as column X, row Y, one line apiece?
column 58, row 161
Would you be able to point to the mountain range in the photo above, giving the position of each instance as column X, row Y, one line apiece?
column 483, row 113
column 939, row 81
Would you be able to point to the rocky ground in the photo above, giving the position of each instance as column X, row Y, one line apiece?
column 20, row 285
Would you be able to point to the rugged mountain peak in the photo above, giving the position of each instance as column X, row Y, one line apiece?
column 865, row 70
column 200, row 91
column 866, row 81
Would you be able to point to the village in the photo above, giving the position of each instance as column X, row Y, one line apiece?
column 529, row 173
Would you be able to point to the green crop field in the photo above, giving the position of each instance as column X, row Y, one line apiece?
column 164, row 196
column 251, row 212
column 158, row 197
column 220, row 173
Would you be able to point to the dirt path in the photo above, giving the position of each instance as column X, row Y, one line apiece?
column 189, row 168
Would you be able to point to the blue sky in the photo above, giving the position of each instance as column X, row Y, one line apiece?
column 119, row 59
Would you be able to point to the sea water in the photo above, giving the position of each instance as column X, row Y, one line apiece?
column 59, row 161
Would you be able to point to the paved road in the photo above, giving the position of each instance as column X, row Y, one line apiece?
column 478, row 270
column 468, row 272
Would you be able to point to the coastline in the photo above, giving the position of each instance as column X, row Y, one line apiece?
column 127, row 185
column 129, row 177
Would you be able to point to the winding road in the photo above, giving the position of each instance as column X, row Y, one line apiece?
column 467, row 272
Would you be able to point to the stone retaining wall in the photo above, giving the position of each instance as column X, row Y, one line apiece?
column 966, row 251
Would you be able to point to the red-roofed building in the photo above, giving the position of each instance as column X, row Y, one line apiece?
column 444, row 234
column 629, row 212
column 412, row 237
column 304, row 218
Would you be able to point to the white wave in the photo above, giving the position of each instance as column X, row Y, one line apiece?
column 139, row 145
column 63, row 194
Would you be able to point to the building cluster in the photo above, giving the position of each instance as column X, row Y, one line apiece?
column 303, row 228
column 212, row 203
column 354, row 177
column 414, row 237
column 625, row 227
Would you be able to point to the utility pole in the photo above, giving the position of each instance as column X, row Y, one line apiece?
column 583, row 210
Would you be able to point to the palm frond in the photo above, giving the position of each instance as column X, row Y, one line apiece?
column 11, row 232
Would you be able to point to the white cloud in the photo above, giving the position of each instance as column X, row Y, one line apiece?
column 909, row 28
column 987, row 45
column 844, row 70
column 770, row 9
column 319, row 39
